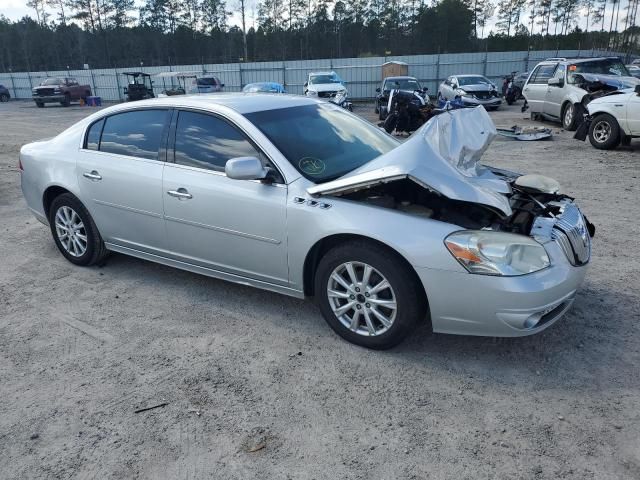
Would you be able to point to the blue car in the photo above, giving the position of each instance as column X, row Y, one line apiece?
column 264, row 87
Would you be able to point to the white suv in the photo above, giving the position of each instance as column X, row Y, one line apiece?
column 560, row 89
column 324, row 85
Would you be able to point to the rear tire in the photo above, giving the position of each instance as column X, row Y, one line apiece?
column 383, row 317
column 74, row 231
column 67, row 101
column 604, row 132
column 4, row 98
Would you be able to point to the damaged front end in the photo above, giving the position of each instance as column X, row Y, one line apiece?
column 436, row 174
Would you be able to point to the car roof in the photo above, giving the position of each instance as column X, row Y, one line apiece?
column 322, row 73
column 576, row 60
column 240, row 102
column 469, row 75
column 401, row 77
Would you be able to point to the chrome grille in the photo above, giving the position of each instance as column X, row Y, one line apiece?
column 571, row 233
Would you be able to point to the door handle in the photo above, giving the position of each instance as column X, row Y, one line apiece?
column 92, row 175
column 180, row 194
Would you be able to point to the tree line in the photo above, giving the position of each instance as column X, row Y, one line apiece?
column 117, row 33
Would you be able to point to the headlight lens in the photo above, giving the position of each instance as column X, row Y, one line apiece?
column 460, row 91
column 312, row 93
column 497, row 253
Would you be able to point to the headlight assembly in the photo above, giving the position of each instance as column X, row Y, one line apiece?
column 312, row 93
column 496, row 253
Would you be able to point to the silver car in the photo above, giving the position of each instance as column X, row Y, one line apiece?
column 472, row 90
column 303, row 198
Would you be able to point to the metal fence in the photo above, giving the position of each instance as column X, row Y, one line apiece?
column 362, row 75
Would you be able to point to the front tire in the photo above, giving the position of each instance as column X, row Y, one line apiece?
column 604, row 132
column 571, row 116
column 4, row 98
column 39, row 104
column 67, row 101
column 74, row 231
column 368, row 295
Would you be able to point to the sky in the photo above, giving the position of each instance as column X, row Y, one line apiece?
column 16, row 9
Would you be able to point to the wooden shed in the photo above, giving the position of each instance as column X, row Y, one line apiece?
column 394, row 69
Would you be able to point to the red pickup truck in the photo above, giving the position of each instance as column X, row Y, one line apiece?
column 60, row 90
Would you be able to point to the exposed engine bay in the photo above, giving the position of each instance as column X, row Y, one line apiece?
column 530, row 207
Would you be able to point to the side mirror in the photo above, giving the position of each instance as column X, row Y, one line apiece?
column 221, row 85
column 378, row 90
column 245, row 168
column 637, row 89
column 126, row 90
column 555, row 82
column 306, row 84
column 425, row 90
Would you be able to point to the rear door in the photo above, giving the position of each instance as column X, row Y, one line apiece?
column 120, row 176
column 535, row 90
column 234, row 226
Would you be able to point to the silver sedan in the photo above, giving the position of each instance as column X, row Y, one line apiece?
column 470, row 90
column 303, row 198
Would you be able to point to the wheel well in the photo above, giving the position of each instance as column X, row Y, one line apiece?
column 322, row 246
column 49, row 196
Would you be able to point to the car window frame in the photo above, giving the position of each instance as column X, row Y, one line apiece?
column 534, row 73
column 161, row 147
column 170, row 150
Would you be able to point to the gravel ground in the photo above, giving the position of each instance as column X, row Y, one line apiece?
column 257, row 386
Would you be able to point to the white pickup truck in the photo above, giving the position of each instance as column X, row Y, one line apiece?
column 613, row 119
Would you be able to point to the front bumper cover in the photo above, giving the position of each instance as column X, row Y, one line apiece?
column 466, row 304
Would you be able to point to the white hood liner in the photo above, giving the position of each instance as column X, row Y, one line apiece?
column 442, row 155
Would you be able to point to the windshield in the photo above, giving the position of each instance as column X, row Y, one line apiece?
column 207, row 81
column 606, row 66
column 53, row 81
column 475, row 80
column 262, row 87
column 402, row 84
column 319, row 79
column 322, row 141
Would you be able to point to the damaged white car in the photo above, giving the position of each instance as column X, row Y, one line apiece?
column 301, row 197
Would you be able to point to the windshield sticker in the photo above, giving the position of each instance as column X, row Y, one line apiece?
column 311, row 166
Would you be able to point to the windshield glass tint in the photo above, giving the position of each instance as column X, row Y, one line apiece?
column 403, row 84
column 322, row 142
column 319, row 79
column 462, row 81
column 53, row 81
column 609, row 66
column 207, row 81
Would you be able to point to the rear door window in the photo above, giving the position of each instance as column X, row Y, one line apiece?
column 207, row 141
column 135, row 134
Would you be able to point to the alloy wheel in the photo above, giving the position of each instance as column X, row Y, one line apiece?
column 361, row 298
column 71, row 231
column 601, row 131
column 568, row 116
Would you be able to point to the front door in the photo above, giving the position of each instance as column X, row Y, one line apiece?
column 535, row 90
column 556, row 93
column 120, row 178
column 234, row 226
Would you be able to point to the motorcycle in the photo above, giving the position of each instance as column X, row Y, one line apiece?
column 340, row 99
column 407, row 111
column 510, row 91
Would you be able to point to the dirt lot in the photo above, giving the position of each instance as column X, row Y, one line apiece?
column 257, row 386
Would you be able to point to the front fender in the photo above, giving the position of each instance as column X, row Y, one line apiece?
column 418, row 240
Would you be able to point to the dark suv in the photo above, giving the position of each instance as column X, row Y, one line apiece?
column 405, row 84
column 4, row 94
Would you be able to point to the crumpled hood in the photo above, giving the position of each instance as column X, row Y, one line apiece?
column 443, row 155
column 479, row 87
column 611, row 80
